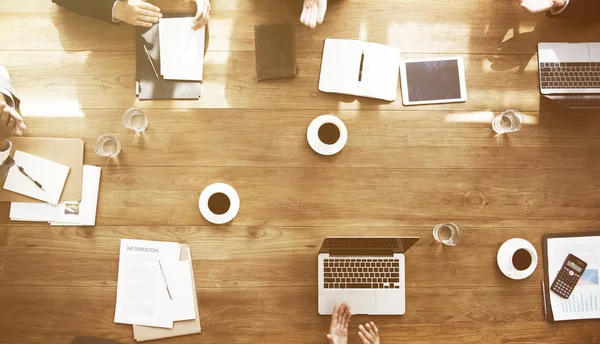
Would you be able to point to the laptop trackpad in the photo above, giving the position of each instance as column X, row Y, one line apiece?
column 362, row 301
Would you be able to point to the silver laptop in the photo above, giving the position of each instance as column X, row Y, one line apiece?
column 570, row 74
column 367, row 272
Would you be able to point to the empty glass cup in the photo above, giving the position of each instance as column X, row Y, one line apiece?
column 107, row 146
column 447, row 234
column 508, row 122
column 135, row 119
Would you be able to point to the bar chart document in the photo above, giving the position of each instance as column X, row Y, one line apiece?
column 584, row 302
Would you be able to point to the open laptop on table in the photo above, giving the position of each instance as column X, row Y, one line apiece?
column 570, row 74
column 367, row 272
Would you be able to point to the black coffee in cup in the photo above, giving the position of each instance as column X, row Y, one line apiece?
column 219, row 203
column 329, row 133
column 521, row 259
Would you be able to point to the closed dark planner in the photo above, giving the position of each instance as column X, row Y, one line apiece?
column 275, row 47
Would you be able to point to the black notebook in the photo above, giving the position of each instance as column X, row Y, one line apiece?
column 148, row 86
column 275, row 47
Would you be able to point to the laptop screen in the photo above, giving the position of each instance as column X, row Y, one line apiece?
column 361, row 245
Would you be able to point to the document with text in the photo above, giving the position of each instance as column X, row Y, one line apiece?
column 142, row 297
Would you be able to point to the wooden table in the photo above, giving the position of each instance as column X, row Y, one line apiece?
column 403, row 170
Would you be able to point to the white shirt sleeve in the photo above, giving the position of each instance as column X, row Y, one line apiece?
column 8, row 96
column 6, row 153
column 559, row 10
column 113, row 13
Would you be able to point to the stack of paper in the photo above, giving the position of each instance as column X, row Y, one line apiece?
column 67, row 213
column 156, row 288
column 181, row 49
column 67, row 152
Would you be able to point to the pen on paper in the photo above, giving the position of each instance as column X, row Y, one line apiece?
column 151, row 63
column 544, row 295
column 165, row 279
column 29, row 177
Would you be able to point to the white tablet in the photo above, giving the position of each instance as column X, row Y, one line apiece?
column 433, row 81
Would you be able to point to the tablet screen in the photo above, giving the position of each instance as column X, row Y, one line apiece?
column 432, row 80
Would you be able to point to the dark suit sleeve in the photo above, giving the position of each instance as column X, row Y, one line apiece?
column 99, row 9
column 580, row 10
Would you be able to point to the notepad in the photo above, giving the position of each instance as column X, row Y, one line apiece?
column 51, row 175
column 360, row 69
column 181, row 49
column 66, row 213
column 275, row 48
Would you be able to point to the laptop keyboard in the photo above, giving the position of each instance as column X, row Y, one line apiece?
column 565, row 75
column 578, row 103
column 362, row 273
column 372, row 243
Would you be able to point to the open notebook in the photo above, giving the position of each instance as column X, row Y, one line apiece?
column 360, row 69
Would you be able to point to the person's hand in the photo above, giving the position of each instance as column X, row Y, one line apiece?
column 535, row 6
column 313, row 12
column 11, row 123
column 369, row 334
column 137, row 12
column 338, row 330
column 202, row 13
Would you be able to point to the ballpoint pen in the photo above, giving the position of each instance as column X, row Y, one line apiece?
column 28, row 176
column 151, row 63
column 165, row 279
column 544, row 295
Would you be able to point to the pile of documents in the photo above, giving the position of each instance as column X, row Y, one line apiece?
column 156, row 291
column 45, row 181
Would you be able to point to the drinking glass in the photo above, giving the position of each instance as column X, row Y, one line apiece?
column 135, row 119
column 508, row 122
column 107, row 146
column 447, row 234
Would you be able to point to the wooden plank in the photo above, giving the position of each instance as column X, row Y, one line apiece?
column 495, row 28
column 251, row 315
column 322, row 196
column 385, row 139
column 259, row 256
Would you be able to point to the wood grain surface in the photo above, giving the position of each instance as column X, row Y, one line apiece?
column 403, row 170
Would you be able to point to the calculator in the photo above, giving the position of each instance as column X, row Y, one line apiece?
column 568, row 276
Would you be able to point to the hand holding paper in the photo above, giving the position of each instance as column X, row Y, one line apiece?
column 202, row 14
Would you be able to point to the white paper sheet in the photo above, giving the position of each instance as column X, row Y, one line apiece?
column 51, row 175
column 179, row 280
column 142, row 297
column 67, row 213
column 181, row 49
column 584, row 302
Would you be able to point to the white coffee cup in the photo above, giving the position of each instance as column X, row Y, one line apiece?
column 506, row 258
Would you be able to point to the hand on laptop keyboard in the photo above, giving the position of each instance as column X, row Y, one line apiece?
column 369, row 334
column 338, row 330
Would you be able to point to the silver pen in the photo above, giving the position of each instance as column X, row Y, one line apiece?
column 151, row 63
column 544, row 295
column 165, row 279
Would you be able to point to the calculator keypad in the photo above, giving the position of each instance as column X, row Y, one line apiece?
column 565, row 282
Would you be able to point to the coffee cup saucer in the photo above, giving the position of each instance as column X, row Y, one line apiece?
column 504, row 258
